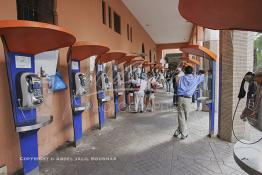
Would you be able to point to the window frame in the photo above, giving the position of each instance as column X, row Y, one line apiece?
column 34, row 10
column 104, row 12
column 117, row 23
column 110, row 17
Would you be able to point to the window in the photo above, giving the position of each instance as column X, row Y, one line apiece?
column 117, row 23
column 143, row 50
column 109, row 16
column 128, row 32
column 104, row 11
column 32, row 10
column 131, row 34
column 150, row 56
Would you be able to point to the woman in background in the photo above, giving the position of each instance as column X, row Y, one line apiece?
column 150, row 92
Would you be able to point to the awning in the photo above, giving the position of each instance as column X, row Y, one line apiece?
column 82, row 50
column 133, row 61
column 148, row 64
column 223, row 14
column 138, row 63
column 190, row 60
column 126, row 58
column 199, row 51
column 34, row 37
column 110, row 56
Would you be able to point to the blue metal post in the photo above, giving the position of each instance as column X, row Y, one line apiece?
column 76, row 102
column 212, row 109
column 28, row 140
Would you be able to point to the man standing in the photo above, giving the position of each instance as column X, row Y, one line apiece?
column 177, row 75
column 168, row 80
column 187, row 85
column 139, row 92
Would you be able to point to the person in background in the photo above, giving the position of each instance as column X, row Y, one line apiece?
column 135, row 84
column 150, row 91
column 162, row 78
column 168, row 80
column 127, row 78
column 130, row 91
column 177, row 75
column 187, row 85
column 140, row 93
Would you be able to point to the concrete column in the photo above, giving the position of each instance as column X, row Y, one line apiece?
column 236, row 58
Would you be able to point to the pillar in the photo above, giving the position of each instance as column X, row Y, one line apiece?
column 236, row 58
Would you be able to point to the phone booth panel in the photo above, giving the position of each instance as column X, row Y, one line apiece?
column 22, row 41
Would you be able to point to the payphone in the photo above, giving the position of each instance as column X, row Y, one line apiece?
column 80, row 82
column 29, row 90
column 117, row 78
column 22, row 41
column 103, row 85
column 253, row 110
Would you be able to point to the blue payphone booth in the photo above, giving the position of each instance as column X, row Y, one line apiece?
column 22, row 40
column 79, row 82
column 206, row 54
column 103, row 83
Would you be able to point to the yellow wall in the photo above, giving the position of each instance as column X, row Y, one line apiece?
column 84, row 19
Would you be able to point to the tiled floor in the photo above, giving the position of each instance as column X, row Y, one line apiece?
column 142, row 144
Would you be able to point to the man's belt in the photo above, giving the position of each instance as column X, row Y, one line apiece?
column 184, row 96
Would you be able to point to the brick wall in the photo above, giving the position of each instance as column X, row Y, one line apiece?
column 236, row 58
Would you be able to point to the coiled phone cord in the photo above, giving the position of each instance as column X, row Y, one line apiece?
column 233, row 119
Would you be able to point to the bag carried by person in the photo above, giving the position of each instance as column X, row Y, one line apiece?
column 137, row 86
column 147, row 92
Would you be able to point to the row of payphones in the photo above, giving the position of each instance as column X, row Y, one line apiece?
column 30, row 88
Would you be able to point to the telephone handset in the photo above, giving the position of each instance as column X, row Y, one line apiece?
column 29, row 89
column 79, row 84
column 105, row 81
column 82, row 80
column 253, row 109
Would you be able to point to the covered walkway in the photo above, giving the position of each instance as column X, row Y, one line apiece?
column 142, row 144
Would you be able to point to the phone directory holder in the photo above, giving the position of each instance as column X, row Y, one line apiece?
column 78, row 81
column 212, row 57
column 22, row 40
column 103, row 83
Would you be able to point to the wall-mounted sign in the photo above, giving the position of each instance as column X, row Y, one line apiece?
column 23, row 62
column 75, row 65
